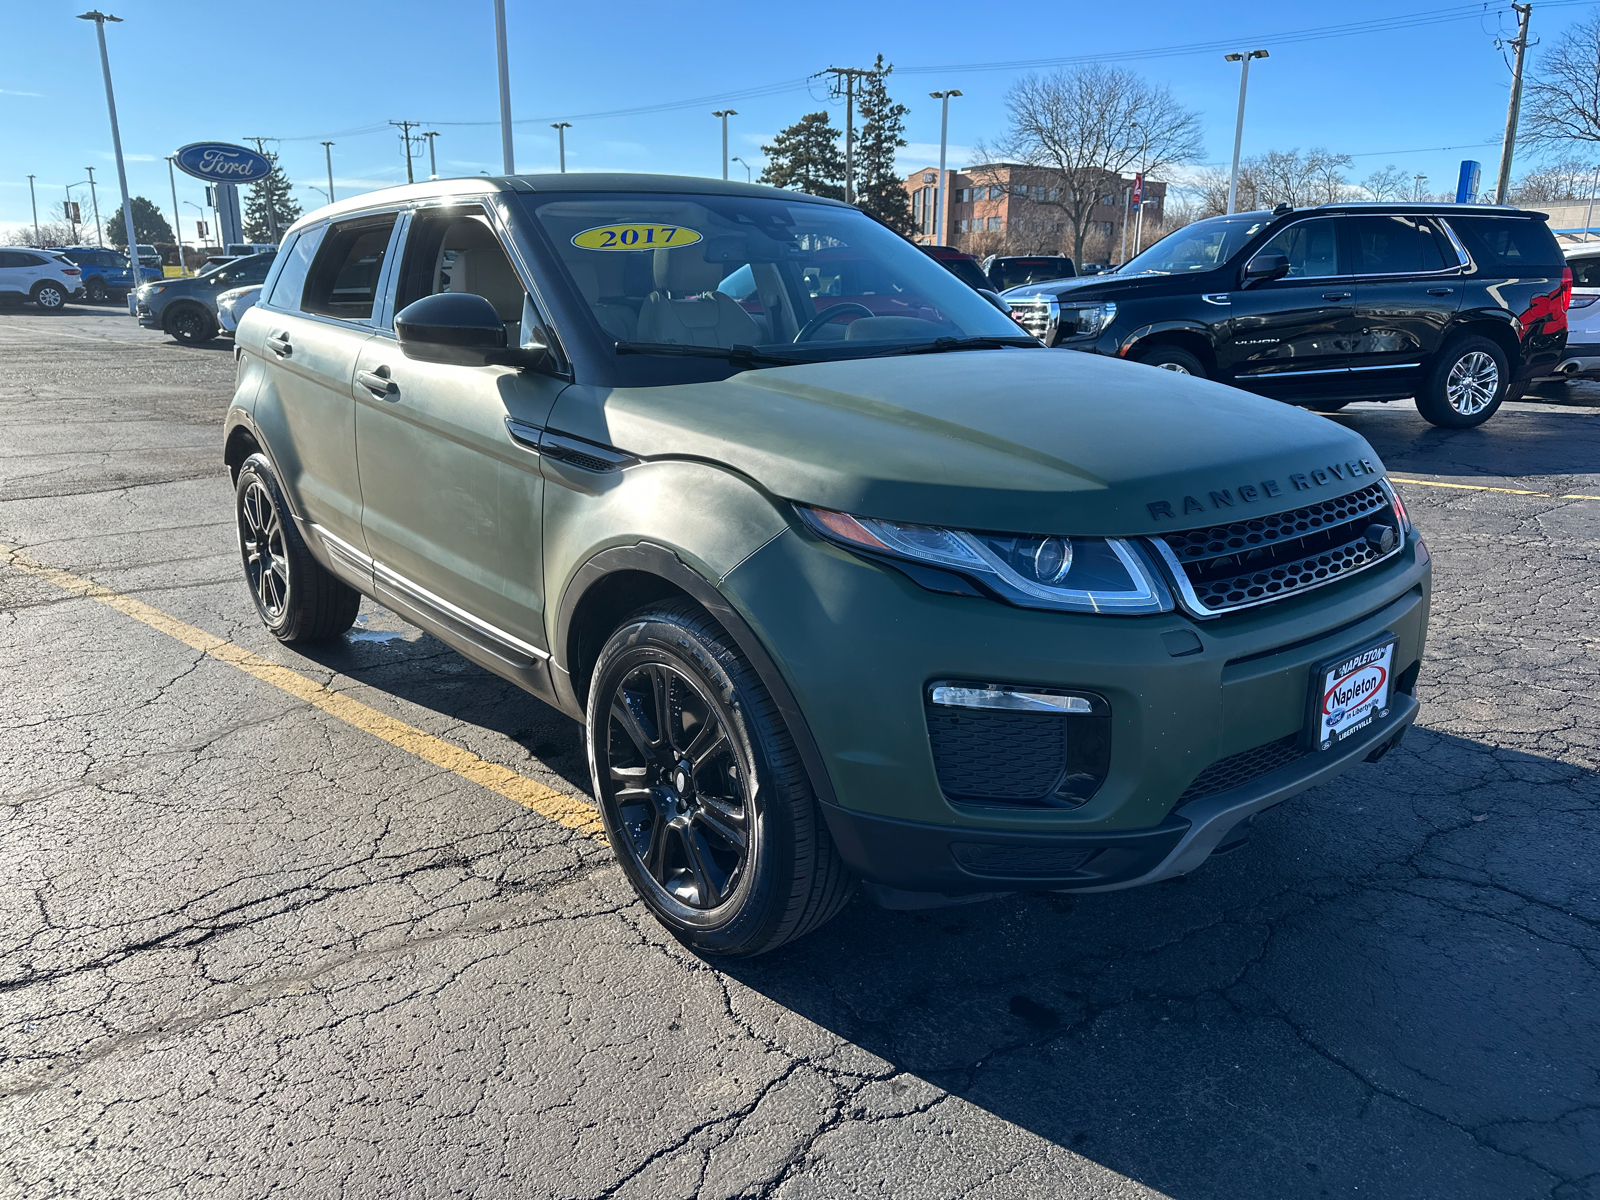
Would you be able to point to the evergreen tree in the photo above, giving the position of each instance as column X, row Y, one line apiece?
column 805, row 158
column 270, row 208
column 879, row 188
column 149, row 226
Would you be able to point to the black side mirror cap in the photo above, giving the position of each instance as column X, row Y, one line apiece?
column 455, row 328
column 1266, row 266
column 994, row 299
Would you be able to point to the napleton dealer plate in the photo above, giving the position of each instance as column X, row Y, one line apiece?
column 1350, row 692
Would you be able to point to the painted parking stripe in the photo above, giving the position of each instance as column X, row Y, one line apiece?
column 1478, row 487
column 573, row 812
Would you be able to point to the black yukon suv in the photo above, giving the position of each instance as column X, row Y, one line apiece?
column 1459, row 306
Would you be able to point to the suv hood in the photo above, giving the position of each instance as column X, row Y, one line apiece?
column 1016, row 441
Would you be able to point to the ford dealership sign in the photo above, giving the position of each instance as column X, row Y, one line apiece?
column 219, row 162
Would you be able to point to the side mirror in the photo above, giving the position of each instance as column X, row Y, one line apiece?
column 455, row 328
column 1266, row 267
column 994, row 299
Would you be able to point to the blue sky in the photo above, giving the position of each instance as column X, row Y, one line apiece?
column 339, row 69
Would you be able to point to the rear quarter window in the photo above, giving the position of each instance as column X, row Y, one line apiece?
column 1515, row 245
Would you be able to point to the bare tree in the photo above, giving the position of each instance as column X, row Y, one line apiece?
column 1568, row 180
column 1386, row 183
column 1085, row 127
column 51, row 233
column 1288, row 177
column 1561, row 102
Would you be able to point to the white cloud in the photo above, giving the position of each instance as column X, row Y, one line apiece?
column 926, row 154
column 12, row 92
column 110, row 157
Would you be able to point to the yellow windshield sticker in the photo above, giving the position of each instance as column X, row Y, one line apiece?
column 635, row 237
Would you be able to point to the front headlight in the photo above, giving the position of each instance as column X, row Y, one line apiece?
column 151, row 289
column 1101, row 575
column 1088, row 319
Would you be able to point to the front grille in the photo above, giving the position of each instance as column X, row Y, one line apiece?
column 1264, row 558
column 1245, row 767
column 1035, row 316
column 1032, row 760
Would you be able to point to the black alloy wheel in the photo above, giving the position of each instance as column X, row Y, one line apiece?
column 705, row 801
column 191, row 325
column 96, row 289
column 50, row 297
column 1175, row 359
column 296, row 597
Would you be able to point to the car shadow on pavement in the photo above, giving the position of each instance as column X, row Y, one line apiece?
column 1524, row 440
column 1391, row 992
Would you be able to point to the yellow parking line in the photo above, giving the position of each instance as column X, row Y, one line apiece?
column 1478, row 487
column 574, row 812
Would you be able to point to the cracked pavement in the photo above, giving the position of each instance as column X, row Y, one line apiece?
column 249, row 950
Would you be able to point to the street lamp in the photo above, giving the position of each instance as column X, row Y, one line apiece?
column 99, row 18
column 68, row 210
column 561, row 128
column 327, row 149
column 748, row 178
column 1238, row 129
column 200, row 246
column 177, row 214
column 1417, row 181
column 95, row 201
column 34, row 200
column 1144, row 167
column 433, row 163
column 944, row 131
column 725, row 114
column 505, row 86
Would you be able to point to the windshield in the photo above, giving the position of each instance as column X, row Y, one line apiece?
column 1203, row 246
column 791, row 279
column 1014, row 272
column 212, row 267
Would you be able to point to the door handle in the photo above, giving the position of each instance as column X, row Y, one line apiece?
column 1441, row 291
column 278, row 343
column 1336, row 295
column 378, row 382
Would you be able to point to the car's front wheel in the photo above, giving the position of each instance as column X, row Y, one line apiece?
column 297, row 598
column 51, row 297
column 97, row 290
column 701, row 789
column 1467, row 384
column 1175, row 359
column 191, row 325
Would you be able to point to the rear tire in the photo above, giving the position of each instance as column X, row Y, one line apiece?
column 1175, row 359
column 296, row 598
column 191, row 325
column 1466, row 385
column 50, row 297
column 702, row 791
column 97, row 292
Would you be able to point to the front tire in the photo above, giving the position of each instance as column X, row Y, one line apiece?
column 97, row 292
column 191, row 325
column 1175, row 359
column 50, row 297
column 702, row 791
column 1467, row 384
column 295, row 596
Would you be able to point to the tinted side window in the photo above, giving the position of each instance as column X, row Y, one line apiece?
column 1310, row 246
column 344, row 275
column 1585, row 271
column 1394, row 245
column 31, row 260
column 1513, row 244
column 292, row 263
column 456, row 250
column 9, row 258
column 253, row 270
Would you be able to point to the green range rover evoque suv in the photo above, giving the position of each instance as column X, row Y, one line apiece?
column 848, row 578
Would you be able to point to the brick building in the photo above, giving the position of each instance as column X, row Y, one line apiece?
column 1008, row 208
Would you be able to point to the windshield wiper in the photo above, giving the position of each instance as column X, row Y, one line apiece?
column 945, row 345
column 734, row 354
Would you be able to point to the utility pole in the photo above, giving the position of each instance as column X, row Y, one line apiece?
column 1238, row 127
column 561, row 128
column 725, row 113
column 177, row 216
column 405, row 136
column 267, row 195
column 34, row 200
column 1514, row 109
column 848, row 75
column 99, row 18
column 505, row 85
column 327, row 149
column 944, row 137
column 433, row 163
column 94, row 200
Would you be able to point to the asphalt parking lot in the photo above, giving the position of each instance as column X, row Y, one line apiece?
column 338, row 924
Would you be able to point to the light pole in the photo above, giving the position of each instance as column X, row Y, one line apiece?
column 1587, row 221
column 561, row 128
column 725, row 114
column 177, row 226
column 200, row 245
column 1417, row 181
column 94, row 200
column 99, row 18
column 505, row 86
column 1144, row 167
column 1238, row 129
column 34, row 200
column 944, row 132
column 68, row 210
column 327, row 149
column 748, row 178
column 433, row 163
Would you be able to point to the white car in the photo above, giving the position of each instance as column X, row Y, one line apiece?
column 1582, row 357
column 42, row 276
column 233, row 304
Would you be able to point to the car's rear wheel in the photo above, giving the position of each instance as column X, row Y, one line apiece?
column 191, row 324
column 51, row 297
column 702, row 791
column 97, row 290
column 296, row 597
column 1467, row 384
column 1175, row 359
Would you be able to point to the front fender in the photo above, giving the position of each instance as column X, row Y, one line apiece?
column 1126, row 346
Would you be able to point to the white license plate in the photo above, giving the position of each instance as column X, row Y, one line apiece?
column 1351, row 692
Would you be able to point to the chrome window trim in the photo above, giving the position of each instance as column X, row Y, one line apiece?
column 1285, row 229
column 1461, row 252
column 1387, row 367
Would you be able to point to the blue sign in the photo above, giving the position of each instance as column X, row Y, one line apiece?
column 220, row 162
column 1467, row 185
